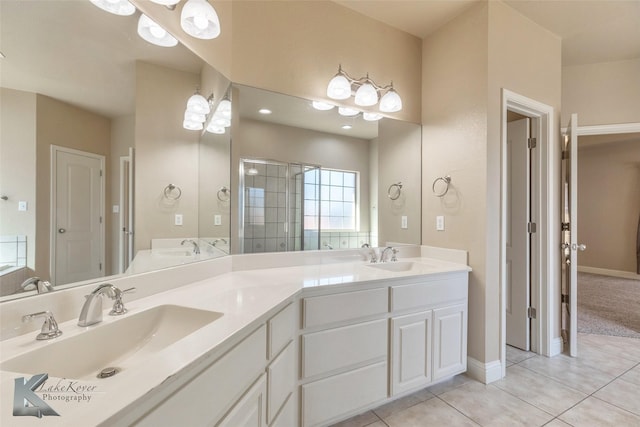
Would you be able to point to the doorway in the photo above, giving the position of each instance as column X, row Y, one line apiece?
column 77, row 213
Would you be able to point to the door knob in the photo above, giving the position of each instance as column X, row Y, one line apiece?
column 580, row 247
column 61, row 230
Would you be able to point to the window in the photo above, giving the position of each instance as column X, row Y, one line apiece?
column 336, row 199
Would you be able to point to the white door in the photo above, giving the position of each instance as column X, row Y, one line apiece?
column 125, row 251
column 570, row 244
column 77, row 228
column 518, row 275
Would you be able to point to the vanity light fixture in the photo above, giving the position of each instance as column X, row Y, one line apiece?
column 170, row 4
column 149, row 30
column 199, row 19
column 117, row 7
column 348, row 112
column 224, row 107
column 196, row 112
column 198, row 104
column 371, row 117
column 367, row 92
column 191, row 125
column 322, row 106
column 212, row 128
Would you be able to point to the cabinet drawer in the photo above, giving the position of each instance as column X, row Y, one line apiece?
column 327, row 399
column 429, row 293
column 326, row 351
column 281, row 330
column 280, row 381
column 335, row 308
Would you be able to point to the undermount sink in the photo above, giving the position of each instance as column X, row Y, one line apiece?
column 396, row 266
column 120, row 344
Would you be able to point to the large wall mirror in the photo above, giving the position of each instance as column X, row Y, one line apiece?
column 312, row 179
column 97, row 174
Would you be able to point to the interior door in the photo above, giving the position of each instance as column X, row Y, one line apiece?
column 518, row 251
column 78, row 234
column 570, row 244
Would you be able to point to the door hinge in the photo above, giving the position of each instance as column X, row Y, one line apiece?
column 532, row 143
column 100, row 172
column 531, row 313
column 100, row 220
column 564, row 299
column 565, row 226
column 100, row 266
column 565, row 155
column 531, row 227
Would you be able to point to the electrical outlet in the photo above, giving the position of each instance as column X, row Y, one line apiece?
column 115, row 209
column 404, row 222
column 217, row 220
column 22, row 206
column 178, row 219
column 440, row 223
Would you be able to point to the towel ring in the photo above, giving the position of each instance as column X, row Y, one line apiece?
column 171, row 192
column 394, row 191
column 447, row 180
column 224, row 194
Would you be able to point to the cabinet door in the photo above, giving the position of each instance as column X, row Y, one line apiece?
column 449, row 341
column 411, row 351
column 250, row 411
column 281, row 378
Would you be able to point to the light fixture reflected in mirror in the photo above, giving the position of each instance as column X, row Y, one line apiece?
column 371, row 117
column 198, row 104
column 150, row 31
column 367, row 92
column 322, row 106
column 117, row 7
column 348, row 112
column 199, row 19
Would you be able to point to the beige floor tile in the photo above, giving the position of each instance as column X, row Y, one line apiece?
column 622, row 394
column 557, row 423
column 445, row 386
column 569, row 371
column 515, row 355
column 595, row 412
column 360, row 420
column 621, row 346
column 490, row 406
column 433, row 412
column 386, row 410
column 614, row 364
column 377, row 424
column 633, row 376
column 540, row 391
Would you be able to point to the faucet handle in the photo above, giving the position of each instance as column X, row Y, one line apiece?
column 394, row 252
column 118, row 305
column 49, row 327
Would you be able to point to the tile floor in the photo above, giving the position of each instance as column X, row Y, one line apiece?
column 601, row 387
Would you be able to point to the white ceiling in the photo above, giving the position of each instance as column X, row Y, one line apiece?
column 591, row 30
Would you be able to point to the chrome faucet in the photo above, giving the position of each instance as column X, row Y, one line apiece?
column 374, row 256
column 41, row 286
column 49, row 327
column 91, row 312
column 384, row 251
column 196, row 248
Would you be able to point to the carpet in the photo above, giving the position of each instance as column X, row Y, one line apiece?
column 608, row 305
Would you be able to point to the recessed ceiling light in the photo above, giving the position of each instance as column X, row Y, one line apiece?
column 346, row 127
column 264, row 111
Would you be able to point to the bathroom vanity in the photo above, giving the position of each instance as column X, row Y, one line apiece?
column 306, row 342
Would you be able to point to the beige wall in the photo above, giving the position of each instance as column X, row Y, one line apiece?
column 465, row 65
column 18, row 166
column 398, row 157
column 609, row 204
column 165, row 154
column 601, row 93
column 65, row 125
column 215, row 163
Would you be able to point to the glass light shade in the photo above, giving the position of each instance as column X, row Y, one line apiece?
column 117, row 7
column 348, row 112
column 391, row 102
column 199, row 19
column 191, row 125
column 371, row 117
column 194, row 117
column 224, row 108
column 154, row 33
column 366, row 95
column 198, row 104
column 339, row 87
column 322, row 106
column 220, row 121
column 212, row 128
column 166, row 2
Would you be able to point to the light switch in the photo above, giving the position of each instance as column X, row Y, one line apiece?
column 217, row 220
column 404, row 222
column 440, row 223
column 115, row 209
column 22, row 206
column 178, row 219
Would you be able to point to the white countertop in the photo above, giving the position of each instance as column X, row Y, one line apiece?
column 244, row 297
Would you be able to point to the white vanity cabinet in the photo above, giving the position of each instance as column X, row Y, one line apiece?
column 410, row 356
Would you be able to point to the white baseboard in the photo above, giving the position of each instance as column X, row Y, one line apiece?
column 556, row 347
column 484, row 372
column 607, row 272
